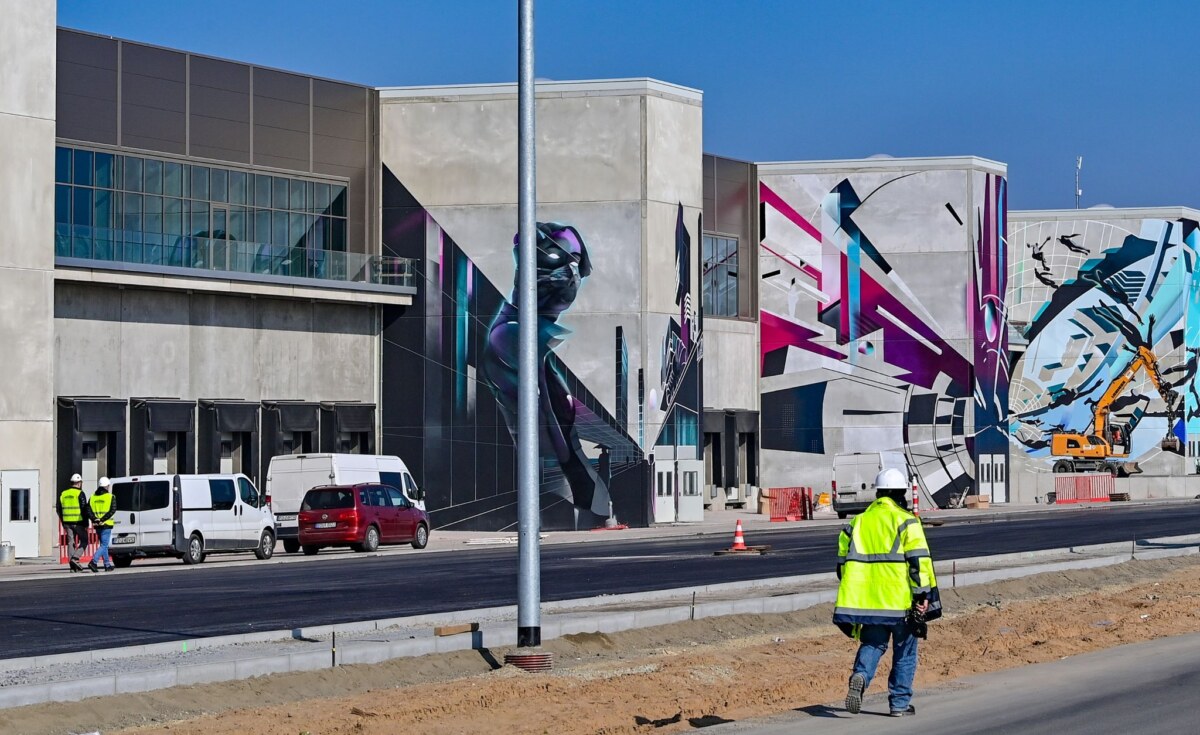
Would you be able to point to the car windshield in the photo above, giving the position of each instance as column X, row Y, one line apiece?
column 328, row 499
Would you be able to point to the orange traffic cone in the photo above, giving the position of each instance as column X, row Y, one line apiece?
column 739, row 541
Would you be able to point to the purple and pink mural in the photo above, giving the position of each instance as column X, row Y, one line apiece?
column 883, row 324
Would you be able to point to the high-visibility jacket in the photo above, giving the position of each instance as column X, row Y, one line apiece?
column 884, row 562
column 70, row 505
column 102, row 509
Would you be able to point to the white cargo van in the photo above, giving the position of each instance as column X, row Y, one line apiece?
column 290, row 476
column 854, row 477
column 189, row 516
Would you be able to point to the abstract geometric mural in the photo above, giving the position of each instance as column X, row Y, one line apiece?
column 883, row 322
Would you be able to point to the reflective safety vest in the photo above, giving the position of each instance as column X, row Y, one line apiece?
column 71, row 510
column 100, row 507
column 885, row 561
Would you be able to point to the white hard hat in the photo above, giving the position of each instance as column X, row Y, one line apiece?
column 104, row 482
column 891, row 479
column 76, row 477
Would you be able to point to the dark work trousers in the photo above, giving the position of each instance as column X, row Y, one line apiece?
column 77, row 537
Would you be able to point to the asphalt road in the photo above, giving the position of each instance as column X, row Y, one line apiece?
column 85, row 611
column 1141, row 688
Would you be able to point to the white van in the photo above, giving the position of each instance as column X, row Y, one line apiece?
column 189, row 516
column 290, row 476
column 854, row 478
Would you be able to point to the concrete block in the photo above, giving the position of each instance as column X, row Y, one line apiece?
column 364, row 654
column 464, row 642
column 308, row 661
column 261, row 666
column 715, row 609
column 674, row 152
column 662, row 616
column 205, row 673
column 145, row 681
column 781, row 604
column 77, row 689
column 614, row 622
column 413, row 647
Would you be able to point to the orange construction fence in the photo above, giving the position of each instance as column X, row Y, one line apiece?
column 1090, row 488
column 791, row 503
column 64, row 554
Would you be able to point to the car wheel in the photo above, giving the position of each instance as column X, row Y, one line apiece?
column 266, row 545
column 310, row 550
column 370, row 540
column 121, row 561
column 421, row 540
column 195, row 550
column 291, row 545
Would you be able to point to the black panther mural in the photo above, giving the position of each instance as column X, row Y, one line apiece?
column 562, row 264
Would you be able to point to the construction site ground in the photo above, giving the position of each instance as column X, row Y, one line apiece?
column 665, row 679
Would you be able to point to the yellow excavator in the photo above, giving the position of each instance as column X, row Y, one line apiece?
column 1096, row 450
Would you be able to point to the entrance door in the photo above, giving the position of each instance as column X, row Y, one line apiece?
column 664, row 492
column 19, row 509
column 691, row 501
column 992, row 477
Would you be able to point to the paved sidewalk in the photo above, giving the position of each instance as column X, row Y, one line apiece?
column 715, row 523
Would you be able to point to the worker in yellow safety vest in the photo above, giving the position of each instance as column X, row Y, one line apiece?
column 73, row 511
column 887, row 590
column 103, row 511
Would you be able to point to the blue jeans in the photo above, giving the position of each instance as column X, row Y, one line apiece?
column 102, row 554
column 873, row 644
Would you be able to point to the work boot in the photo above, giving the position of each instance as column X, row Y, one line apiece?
column 75, row 566
column 109, row 568
column 911, row 710
column 93, row 567
column 855, row 694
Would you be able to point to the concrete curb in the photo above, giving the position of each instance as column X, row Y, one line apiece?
column 504, row 634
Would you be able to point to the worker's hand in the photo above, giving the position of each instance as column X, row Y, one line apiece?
column 922, row 606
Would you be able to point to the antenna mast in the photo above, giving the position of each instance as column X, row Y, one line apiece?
column 1078, row 191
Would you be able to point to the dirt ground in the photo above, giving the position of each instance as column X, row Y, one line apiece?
column 667, row 679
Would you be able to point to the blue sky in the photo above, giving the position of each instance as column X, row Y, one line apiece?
column 1030, row 83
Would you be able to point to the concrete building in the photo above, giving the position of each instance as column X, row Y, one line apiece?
column 882, row 320
column 1086, row 289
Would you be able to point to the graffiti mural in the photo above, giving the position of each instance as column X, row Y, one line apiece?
column 883, row 325
column 1103, row 304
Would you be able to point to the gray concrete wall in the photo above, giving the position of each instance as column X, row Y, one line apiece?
column 27, row 83
column 615, row 159
column 898, row 375
column 130, row 342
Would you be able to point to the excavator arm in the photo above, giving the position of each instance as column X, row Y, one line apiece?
column 1145, row 360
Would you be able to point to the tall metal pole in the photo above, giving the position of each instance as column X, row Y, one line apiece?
column 529, row 582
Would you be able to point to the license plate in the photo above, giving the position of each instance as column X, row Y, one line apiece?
column 325, row 525
column 285, row 516
column 124, row 540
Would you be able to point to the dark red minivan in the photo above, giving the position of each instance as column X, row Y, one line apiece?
column 361, row 517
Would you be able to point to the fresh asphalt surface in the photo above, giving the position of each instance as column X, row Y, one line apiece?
column 1140, row 688
column 85, row 611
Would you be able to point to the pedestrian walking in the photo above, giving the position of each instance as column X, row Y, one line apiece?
column 886, row 590
column 73, row 511
column 103, row 511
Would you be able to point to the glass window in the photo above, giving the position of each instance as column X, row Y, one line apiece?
column 719, row 279
column 262, row 190
column 83, row 206
column 152, row 170
column 279, row 228
column 299, row 196
column 62, row 165
column 155, row 495
column 104, row 170
column 237, row 224
column 172, row 179
column 133, row 173
column 248, row 492
column 328, row 499
column 173, row 216
column 337, row 236
column 152, row 214
column 199, row 214
column 237, row 187
column 397, row 497
column 18, row 504
column 124, row 494
column 338, row 206
column 262, row 225
column 223, row 494
column 299, row 226
column 83, row 168
column 131, row 212
column 218, row 185
column 279, row 187
column 62, row 204
column 103, row 209
column 199, row 182
column 321, row 200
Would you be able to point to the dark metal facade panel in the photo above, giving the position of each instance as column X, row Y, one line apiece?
column 225, row 140
column 338, row 96
column 86, row 88
column 217, row 74
column 278, row 85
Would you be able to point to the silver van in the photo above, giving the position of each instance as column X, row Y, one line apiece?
column 188, row 517
column 853, row 487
